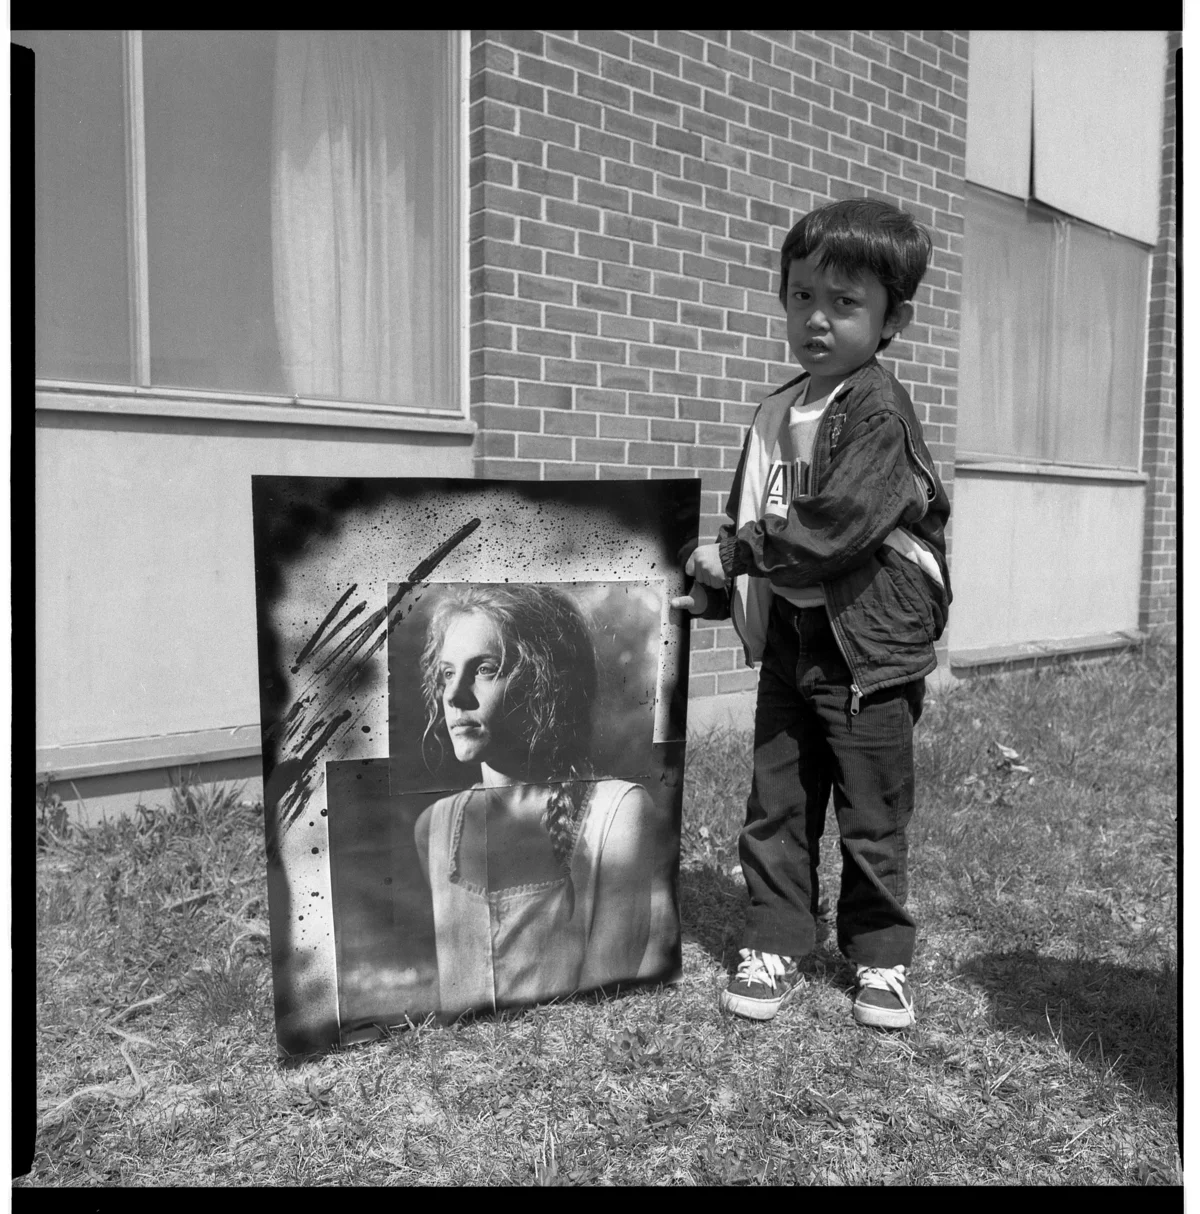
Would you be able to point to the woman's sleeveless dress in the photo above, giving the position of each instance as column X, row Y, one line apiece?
column 524, row 944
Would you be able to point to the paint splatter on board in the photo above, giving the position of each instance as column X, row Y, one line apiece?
column 337, row 663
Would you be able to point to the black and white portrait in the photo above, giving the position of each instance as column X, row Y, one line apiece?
column 473, row 695
column 526, row 790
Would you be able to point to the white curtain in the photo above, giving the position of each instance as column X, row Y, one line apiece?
column 346, row 257
column 1052, row 347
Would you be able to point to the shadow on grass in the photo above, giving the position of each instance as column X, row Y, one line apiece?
column 1104, row 1014
column 405, row 1034
column 711, row 908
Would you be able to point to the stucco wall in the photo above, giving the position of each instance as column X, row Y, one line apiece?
column 145, row 566
column 1044, row 559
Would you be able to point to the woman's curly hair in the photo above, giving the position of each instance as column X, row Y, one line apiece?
column 548, row 656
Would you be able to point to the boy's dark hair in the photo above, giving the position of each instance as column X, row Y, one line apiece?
column 860, row 234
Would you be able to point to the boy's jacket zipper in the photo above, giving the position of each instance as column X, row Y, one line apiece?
column 835, row 624
column 930, row 492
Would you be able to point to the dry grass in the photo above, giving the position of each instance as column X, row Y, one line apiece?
column 1044, row 881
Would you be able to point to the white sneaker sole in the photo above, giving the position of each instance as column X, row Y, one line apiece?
column 751, row 1009
column 882, row 1017
column 754, row 1009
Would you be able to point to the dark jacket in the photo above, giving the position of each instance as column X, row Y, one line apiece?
column 871, row 473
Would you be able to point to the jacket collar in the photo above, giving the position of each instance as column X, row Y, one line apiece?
column 868, row 370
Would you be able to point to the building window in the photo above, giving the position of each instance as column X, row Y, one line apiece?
column 1053, row 340
column 1064, row 138
column 249, row 212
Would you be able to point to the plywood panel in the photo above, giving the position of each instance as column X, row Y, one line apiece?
column 1000, row 109
column 1098, row 124
column 1038, row 558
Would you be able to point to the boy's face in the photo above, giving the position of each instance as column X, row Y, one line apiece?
column 835, row 322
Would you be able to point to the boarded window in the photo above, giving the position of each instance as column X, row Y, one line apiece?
column 1064, row 130
column 1072, row 118
column 1053, row 337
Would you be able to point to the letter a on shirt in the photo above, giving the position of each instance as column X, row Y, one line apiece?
column 790, row 475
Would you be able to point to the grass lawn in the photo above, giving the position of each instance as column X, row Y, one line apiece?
column 1043, row 878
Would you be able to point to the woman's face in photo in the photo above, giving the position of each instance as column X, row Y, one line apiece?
column 473, row 690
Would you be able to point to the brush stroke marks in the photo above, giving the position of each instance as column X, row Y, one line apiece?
column 316, row 636
column 321, row 710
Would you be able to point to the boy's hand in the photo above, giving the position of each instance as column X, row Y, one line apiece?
column 705, row 566
column 694, row 602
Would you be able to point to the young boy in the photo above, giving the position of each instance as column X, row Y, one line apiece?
column 833, row 567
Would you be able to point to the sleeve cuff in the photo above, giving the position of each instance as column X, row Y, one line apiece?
column 727, row 549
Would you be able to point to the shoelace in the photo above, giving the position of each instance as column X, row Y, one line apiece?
column 884, row 978
column 760, row 968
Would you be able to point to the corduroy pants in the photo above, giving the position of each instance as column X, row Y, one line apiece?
column 807, row 745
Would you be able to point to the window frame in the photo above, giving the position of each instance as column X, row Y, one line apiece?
column 141, row 396
column 981, row 461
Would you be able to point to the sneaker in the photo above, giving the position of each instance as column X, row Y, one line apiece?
column 762, row 982
column 881, row 997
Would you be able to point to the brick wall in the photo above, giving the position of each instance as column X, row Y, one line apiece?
column 1157, row 604
column 629, row 193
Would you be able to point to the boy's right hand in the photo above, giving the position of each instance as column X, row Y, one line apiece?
column 705, row 566
column 694, row 602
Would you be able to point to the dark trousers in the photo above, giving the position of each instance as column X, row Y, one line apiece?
column 807, row 745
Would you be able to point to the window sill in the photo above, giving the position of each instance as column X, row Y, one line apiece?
column 85, row 759
column 1017, row 656
column 118, row 399
column 1074, row 472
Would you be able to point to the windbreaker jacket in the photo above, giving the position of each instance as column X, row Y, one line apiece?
column 871, row 473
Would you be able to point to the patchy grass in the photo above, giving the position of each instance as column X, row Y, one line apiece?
column 1043, row 880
